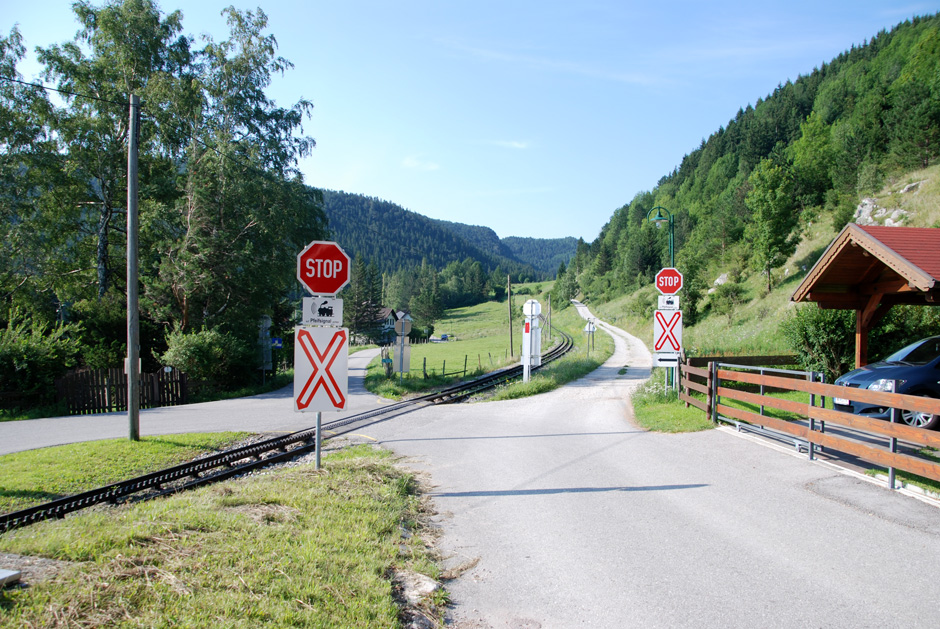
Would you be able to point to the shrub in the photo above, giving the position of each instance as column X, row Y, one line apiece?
column 32, row 356
column 824, row 340
column 218, row 360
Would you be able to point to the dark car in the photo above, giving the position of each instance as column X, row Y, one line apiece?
column 916, row 368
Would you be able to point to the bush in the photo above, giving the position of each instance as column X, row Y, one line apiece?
column 824, row 340
column 216, row 359
column 33, row 356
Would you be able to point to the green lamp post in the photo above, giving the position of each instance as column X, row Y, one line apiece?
column 659, row 220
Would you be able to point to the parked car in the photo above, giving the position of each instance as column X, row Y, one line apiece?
column 916, row 368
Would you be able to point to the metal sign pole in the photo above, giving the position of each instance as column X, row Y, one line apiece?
column 319, row 439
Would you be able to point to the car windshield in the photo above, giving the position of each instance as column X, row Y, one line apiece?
column 919, row 353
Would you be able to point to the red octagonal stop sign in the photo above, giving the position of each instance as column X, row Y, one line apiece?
column 323, row 268
column 669, row 281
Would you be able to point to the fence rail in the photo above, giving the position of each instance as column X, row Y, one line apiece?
column 105, row 390
column 721, row 383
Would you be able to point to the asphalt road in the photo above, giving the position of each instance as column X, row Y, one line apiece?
column 557, row 511
column 270, row 412
column 562, row 513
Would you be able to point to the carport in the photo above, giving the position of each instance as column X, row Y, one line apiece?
column 869, row 269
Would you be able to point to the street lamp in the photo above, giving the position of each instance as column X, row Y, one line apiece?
column 660, row 219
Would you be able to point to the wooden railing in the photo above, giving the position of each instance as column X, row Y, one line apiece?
column 714, row 384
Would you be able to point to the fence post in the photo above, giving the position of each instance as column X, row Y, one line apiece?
column 895, row 418
column 464, row 365
column 810, row 446
column 682, row 375
column 713, row 391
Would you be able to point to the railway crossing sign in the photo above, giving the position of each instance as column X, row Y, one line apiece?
column 325, row 311
column 669, row 281
column 323, row 268
column 667, row 331
column 321, row 361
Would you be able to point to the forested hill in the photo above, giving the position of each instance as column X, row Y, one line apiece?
column 395, row 238
column 542, row 253
column 803, row 155
column 545, row 254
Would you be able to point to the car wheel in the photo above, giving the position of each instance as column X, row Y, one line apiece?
column 920, row 420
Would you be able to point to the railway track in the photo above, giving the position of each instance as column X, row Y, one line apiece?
column 240, row 460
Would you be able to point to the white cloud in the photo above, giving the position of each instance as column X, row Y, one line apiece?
column 413, row 163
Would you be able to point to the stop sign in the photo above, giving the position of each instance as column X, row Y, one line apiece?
column 323, row 268
column 669, row 281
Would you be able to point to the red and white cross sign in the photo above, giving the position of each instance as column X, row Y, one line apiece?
column 321, row 361
column 667, row 331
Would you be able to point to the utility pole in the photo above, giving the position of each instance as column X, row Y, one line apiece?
column 509, row 301
column 133, row 311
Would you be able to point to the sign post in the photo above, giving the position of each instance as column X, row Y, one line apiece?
column 403, row 351
column 667, row 322
column 531, row 338
column 321, row 354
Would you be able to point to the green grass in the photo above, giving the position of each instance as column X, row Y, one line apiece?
column 576, row 364
column 35, row 476
column 659, row 411
column 294, row 547
column 482, row 340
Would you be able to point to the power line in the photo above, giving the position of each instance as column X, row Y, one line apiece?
column 53, row 89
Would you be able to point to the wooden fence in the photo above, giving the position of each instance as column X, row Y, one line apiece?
column 105, row 390
column 720, row 383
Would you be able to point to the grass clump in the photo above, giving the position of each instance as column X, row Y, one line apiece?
column 295, row 547
column 661, row 411
column 32, row 477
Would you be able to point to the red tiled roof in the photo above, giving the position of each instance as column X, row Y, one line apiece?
column 920, row 246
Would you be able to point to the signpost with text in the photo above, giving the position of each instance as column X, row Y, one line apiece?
column 321, row 345
column 667, row 321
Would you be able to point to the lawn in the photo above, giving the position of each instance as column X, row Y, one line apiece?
column 293, row 547
column 32, row 477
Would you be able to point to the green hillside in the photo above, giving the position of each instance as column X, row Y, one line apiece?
column 544, row 254
column 395, row 238
column 757, row 202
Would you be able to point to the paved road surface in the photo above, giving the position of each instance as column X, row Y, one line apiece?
column 565, row 514
column 270, row 412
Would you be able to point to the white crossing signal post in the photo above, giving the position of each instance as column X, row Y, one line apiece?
column 531, row 338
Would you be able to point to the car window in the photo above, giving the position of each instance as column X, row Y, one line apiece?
column 919, row 353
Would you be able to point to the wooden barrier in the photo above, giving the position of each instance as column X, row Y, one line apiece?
column 812, row 413
column 105, row 390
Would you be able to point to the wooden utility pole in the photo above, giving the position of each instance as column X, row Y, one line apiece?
column 509, row 301
column 133, row 311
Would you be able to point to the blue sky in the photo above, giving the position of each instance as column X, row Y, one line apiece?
column 532, row 118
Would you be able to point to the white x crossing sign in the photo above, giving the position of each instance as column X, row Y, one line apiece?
column 667, row 331
column 321, row 361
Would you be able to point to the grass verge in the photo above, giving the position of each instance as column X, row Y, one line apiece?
column 35, row 476
column 294, row 547
column 661, row 411
column 577, row 363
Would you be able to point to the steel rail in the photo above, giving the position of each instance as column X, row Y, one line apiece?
column 224, row 465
